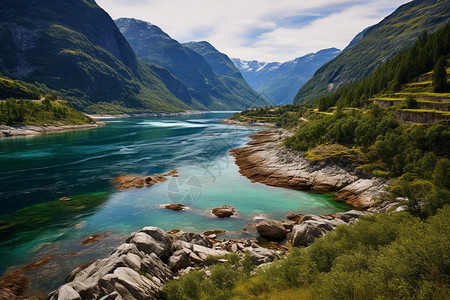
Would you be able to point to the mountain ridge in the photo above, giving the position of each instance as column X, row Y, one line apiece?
column 151, row 44
column 380, row 42
column 74, row 47
column 281, row 81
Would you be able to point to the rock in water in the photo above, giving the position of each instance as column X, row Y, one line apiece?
column 224, row 211
column 271, row 229
column 135, row 181
column 178, row 206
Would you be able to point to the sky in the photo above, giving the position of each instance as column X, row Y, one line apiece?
column 263, row 30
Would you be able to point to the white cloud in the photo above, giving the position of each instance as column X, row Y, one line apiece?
column 258, row 29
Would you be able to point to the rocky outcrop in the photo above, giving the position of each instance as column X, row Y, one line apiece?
column 138, row 268
column 135, row 181
column 267, row 161
column 409, row 116
column 271, row 229
column 224, row 211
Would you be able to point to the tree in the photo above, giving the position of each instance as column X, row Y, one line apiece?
column 440, row 75
column 411, row 102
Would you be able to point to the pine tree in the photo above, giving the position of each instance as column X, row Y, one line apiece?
column 440, row 75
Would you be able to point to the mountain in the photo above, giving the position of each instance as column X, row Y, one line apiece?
column 379, row 43
column 75, row 47
column 223, row 66
column 280, row 81
column 209, row 89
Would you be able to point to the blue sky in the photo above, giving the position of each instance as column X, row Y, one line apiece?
column 264, row 30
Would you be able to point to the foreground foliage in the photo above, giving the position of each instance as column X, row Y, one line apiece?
column 386, row 256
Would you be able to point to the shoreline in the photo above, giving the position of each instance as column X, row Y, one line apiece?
column 265, row 160
column 240, row 123
column 131, row 115
column 29, row 130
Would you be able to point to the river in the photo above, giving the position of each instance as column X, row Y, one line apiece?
column 36, row 171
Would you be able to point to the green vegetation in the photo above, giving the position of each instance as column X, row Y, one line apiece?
column 440, row 76
column 76, row 49
column 386, row 256
column 382, row 41
column 390, row 76
column 210, row 76
column 36, row 112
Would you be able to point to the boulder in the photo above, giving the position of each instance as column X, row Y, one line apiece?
column 129, row 284
column 297, row 218
column 152, row 240
column 179, row 261
column 350, row 216
column 306, row 233
column 271, row 229
column 262, row 255
column 224, row 211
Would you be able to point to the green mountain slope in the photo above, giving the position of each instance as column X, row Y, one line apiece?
column 74, row 46
column 226, row 70
column 380, row 42
column 219, row 62
column 153, row 45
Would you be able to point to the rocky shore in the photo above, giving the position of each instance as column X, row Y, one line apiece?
column 138, row 268
column 24, row 130
column 266, row 160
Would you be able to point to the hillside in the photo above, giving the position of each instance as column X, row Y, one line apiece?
column 227, row 72
column 74, row 46
column 380, row 42
column 210, row 90
column 280, row 81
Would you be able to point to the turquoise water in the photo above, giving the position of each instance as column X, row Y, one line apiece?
column 35, row 171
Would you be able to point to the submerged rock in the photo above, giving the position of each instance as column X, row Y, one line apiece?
column 224, row 211
column 135, row 181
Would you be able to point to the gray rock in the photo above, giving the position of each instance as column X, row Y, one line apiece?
column 271, row 229
column 350, row 216
column 129, row 284
column 152, row 240
column 194, row 258
column 179, row 261
column 66, row 292
column 194, row 238
column 305, row 234
column 262, row 255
